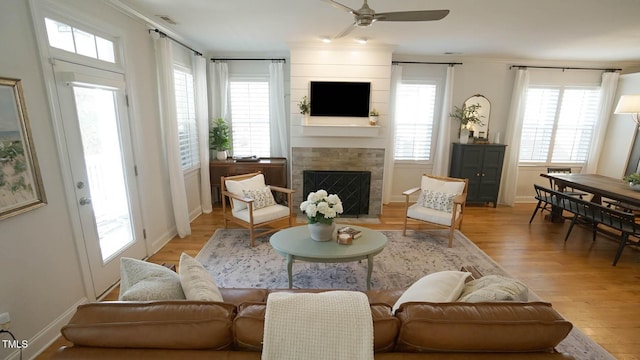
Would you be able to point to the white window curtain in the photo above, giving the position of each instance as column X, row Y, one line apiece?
column 168, row 116
column 277, row 112
column 441, row 157
column 219, row 98
column 202, row 121
column 396, row 78
column 514, row 130
column 607, row 95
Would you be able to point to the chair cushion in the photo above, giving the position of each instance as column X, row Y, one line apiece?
column 263, row 215
column 447, row 187
column 236, row 186
column 416, row 211
column 261, row 197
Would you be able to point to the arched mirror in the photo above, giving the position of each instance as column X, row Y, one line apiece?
column 483, row 108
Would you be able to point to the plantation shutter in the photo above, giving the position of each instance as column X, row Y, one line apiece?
column 187, row 128
column 578, row 116
column 414, row 117
column 250, row 118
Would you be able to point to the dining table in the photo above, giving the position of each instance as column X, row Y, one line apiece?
column 601, row 187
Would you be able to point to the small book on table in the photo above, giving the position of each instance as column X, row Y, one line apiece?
column 351, row 231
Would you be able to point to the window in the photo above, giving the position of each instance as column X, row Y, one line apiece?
column 250, row 118
column 68, row 38
column 186, row 112
column 414, row 118
column 558, row 124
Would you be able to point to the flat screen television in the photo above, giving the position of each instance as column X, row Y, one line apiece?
column 340, row 98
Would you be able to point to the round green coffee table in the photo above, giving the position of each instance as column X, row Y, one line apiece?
column 295, row 244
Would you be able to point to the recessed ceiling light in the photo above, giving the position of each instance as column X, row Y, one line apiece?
column 362, row 40
column 326, row 40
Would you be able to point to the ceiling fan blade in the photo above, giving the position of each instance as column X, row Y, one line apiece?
column 424, row 15
column 346, row 31
column 340, row 6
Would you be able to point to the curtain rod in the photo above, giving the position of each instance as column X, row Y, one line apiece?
column 248, row 59
column 174, row 40
column 563, row 68
column 426, row 62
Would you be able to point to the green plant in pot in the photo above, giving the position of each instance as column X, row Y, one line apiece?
column 467, row 116
column 633, row 180
column 220, row 138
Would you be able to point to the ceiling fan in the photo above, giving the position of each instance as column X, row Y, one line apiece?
column 365, row 16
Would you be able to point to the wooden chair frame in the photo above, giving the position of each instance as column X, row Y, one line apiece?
column 255, row 230
column 459, row 203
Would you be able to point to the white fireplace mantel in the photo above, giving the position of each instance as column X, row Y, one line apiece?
column 341, row 130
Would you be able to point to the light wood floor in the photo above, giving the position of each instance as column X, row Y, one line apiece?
column 576, row 277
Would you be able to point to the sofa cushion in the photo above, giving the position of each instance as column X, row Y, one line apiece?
column 158, row 325
column 248, row 326
column 196, row 282
column 144, row 281
column 442, row 286
column 480, row 327
column 494, row 288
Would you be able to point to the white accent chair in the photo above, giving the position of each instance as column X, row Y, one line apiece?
column 441, row 202
column 253, row 206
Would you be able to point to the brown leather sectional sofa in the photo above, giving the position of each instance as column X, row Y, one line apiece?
column 233, row 330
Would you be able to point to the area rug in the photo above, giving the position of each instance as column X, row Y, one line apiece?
column 232, row 263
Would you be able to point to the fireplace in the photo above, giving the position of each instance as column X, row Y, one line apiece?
column 339, row 160
column 352, row 187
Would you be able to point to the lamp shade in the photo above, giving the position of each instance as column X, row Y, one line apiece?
column 628, row 104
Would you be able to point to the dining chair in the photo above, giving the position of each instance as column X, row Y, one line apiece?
column 554, row 186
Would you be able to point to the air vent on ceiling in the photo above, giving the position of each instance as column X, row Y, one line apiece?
column 167, row 19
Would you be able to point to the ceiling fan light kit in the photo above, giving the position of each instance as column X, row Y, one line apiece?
column 366, row 16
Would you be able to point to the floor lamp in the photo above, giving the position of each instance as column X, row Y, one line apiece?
column 629, row 104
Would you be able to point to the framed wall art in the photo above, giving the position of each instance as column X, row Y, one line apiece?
column 21, row 187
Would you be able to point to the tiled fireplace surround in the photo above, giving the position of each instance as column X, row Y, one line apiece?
column 339, row 159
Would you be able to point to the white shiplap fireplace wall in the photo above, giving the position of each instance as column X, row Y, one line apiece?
column 351, row 138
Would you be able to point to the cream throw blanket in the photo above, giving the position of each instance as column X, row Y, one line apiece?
column 307, row 326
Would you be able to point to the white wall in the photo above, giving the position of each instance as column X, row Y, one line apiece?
column 620, row 132
column 40, row 267
column 340, row 63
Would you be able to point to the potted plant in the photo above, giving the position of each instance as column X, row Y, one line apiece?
column 220, row 138
column 633, row 180
column 373, row 117
column 305, row 108
column 467, row 116
column 321, row 209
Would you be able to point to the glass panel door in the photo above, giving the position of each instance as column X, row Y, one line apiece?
column 97, row 119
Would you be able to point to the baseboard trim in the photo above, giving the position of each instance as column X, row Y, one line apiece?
column 47, row 336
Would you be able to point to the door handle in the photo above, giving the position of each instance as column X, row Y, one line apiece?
column 85, row 201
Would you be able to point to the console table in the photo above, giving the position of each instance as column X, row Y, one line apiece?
column 274, row 170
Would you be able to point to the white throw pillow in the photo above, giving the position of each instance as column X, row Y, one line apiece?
column 261, row 197
column 494, row 288
column 436, row 200
column 145, row 281
column 442, row 286
column 235, row 187
column 196, row 282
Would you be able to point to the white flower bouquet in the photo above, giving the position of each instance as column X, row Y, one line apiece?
column 320, row 207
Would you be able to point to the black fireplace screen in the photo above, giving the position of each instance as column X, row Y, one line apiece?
column 351, row 186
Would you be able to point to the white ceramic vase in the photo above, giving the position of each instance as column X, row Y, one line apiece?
column 221, row 155
column 634, row 187
column 321, row 232
column 464, row 136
